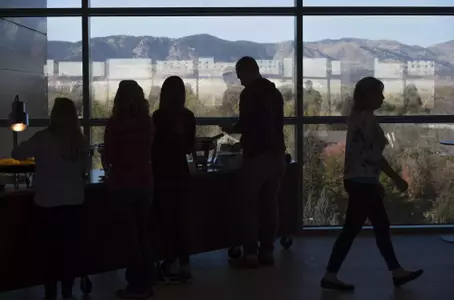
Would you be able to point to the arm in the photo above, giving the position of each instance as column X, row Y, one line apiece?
column 84, row 159
column 244, row 108
column 26, row 149
column 108, row 144
column 378, row 138
column 190, row 137
column 152, row 132
column 387, row 169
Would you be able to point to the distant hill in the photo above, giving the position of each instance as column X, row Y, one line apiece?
column 358, row 51
column 163, row 48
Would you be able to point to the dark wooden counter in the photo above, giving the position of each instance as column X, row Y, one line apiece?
column 211, row 214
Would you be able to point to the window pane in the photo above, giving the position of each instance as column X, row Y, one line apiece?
column 414, row 151
column 192, row 3
column 377, row 2
column 40, row 3
column 63, row 69
column 417, row 72
column 200, row 50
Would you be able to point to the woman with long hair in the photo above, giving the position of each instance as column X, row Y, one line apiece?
column 364, row 162
column 61, row 155
column 128, row 140
column 175, row 135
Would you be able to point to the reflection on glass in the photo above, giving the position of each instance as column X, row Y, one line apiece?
column 416, row 72
column 97, row 134
column 414, row 151
column 144, row 49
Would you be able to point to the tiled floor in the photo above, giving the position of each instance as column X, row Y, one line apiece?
column 298, row 272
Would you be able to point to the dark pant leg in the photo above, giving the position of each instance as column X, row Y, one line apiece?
column 380, row 222
column 268, row 203
column 355, row 217
column 47, row 226
column 251, row 181
column 182, row 220
column 140, row 268
column 70, row 220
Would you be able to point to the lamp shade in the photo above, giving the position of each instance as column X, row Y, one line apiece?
column 18, row 118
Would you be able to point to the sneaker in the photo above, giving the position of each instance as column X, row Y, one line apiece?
column 125, row 294
column 245, row 262
column 336, row 285
column 398, row 281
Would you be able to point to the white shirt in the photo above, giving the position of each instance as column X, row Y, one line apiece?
column 365, row 144
column 57, row 181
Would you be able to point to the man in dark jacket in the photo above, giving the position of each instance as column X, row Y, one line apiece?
column 261, row 125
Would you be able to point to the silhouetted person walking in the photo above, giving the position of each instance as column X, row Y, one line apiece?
column 61, row 157
column 364, row 162
column 261, row 125
column 175, row 134
column 128, row 142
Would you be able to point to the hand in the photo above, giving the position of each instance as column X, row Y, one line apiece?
column 227, row 128
column 401, row 184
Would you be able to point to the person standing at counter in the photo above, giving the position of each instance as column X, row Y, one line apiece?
column 261, row 125
column 128, row 139
column 175, row 135
column 61, row 160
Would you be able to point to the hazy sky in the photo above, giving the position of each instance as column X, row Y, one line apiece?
column 423, row 31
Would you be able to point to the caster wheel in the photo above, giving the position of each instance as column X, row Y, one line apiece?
column 286, row 242
column 235, row 252
column 86, row 285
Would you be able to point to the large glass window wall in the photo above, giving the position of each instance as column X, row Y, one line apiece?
column 314, row 51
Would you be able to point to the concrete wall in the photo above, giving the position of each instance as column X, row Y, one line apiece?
column 69, row 69
column 140, row 68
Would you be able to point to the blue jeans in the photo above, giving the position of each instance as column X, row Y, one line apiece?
column 135, row 205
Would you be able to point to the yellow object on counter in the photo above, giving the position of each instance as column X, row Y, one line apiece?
column 12, row 162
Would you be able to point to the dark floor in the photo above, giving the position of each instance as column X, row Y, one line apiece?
column 298, row 271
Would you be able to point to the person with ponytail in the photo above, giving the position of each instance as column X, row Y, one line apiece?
column 175, row 136
column 364, row 162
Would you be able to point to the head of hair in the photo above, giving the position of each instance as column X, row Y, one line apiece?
column 130, row 101
column 411, row 87
column 247, row 64
column 65, row 127
column 364, row 89
column 173, row 93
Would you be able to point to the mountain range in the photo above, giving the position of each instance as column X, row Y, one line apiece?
column 360, row 52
